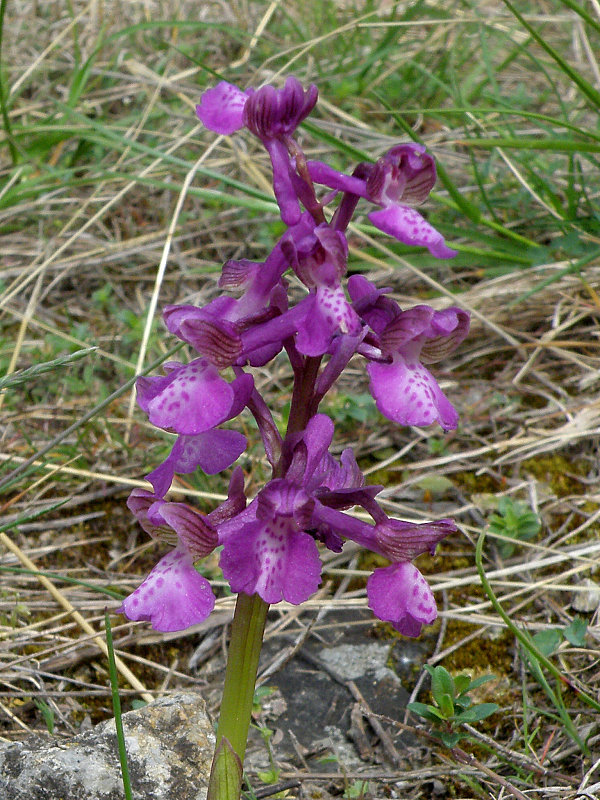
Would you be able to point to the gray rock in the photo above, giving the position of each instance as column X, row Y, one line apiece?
column 169, row 748
column 588, row 599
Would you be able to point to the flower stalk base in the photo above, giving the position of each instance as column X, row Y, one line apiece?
column 238, row 694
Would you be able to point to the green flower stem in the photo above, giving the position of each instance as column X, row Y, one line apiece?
column 240, row 676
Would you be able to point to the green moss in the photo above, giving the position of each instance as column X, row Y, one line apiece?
column 558, row 472
column 481, row 654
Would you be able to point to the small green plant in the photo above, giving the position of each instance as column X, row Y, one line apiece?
column 47, row 714
column 357, row 790
column 516, row 521
column 453, row 706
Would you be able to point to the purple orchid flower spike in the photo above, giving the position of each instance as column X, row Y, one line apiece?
column 174, row 595
column 272, row 115
column 404, row 390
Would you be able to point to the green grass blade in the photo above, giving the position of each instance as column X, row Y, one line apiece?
column 8, row 479
column 523, row 636
column 585, row 15
column 586, row 88
column 116, row 701
column 14, row 154
column 64, row 578
column 575, row 267
column 31, row 373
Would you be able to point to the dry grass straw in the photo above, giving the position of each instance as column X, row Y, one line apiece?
column 525, row 382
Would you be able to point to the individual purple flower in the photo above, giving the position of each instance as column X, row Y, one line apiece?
column 319, row 258
column 192, row 398
column 174, row 595
column 215, row 329
column 403, row 177
column 273, row 115
column 404, row 390
column 268, row 112
column 399, row 593
column 267, row 552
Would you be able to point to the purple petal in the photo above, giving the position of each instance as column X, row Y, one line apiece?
column 221, row 108
column 192, row 529
column 286, row 197
column 448, row 329
column 408, row 393
column 329, row 313
column 194, row 399
column 276, row 113
column 400, row 594
column 211, row 451
column 173, row 596
column 272, row 559
column 408, row 226
column 404, row 541
column 235, row 503
column 317, row 437
column 405, row 173
column 328, row 176
column 139, row 502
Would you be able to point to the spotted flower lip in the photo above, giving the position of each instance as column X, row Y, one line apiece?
column 399, row 594
column 192, row 398
column 270, row 553
column 404, row 390
column 174, row 596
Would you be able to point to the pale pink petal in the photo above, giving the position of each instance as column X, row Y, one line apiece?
column 195, row 399
column 407, row 393
column 221, row 108
column 399, row 594
column 408, row 226
column 173, row 596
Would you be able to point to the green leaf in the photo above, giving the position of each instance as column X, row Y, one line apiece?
column 47, row 713
column 446, row 704
column 548, row 641
column 480, row 681
column 477, row 713
column 462, row 684
column 450, row 739
column 576, row 631
column 441, row 682
column 430, row 713
column 464, row 701
column 225, row 779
